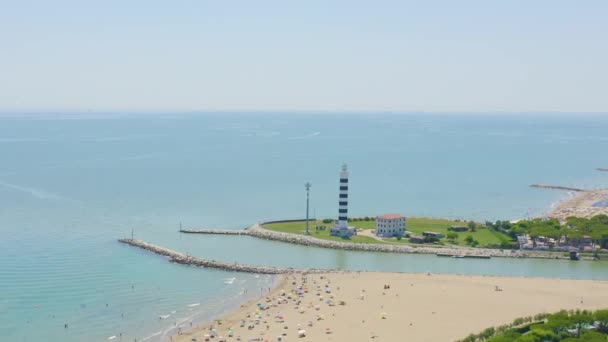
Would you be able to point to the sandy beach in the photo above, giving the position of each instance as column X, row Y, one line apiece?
column 581, row 205
column 396, row 307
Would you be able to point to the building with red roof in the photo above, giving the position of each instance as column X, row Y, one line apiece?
column 390, row 225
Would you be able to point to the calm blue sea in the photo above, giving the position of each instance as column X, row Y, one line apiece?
column 71, row 184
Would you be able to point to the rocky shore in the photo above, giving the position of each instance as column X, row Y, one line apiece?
column 257, row 230
column 181, row 258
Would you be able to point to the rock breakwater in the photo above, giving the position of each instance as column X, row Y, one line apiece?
column 215, row 231
column 181, row 258
column 259, row 231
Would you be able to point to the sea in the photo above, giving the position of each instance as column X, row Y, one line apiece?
column 71, row 184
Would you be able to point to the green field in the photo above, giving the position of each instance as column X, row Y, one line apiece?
column 300, row 228
column 416, row 225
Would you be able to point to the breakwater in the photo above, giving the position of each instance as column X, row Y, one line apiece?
column 182, row 258
column 215, row 231
column 557, row 187
column 257, row 230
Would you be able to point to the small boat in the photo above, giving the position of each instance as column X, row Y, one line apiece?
column 574, row 255
column 112, row 337
column 229, row 281
column 193, row 305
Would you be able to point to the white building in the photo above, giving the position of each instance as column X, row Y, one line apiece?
column 390, row 225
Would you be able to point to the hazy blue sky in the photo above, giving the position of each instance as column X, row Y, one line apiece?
column 529, row 55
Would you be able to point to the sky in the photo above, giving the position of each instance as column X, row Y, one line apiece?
column 309, row 55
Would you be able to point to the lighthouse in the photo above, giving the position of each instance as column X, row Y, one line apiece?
column 343, row 200
column 341, row 227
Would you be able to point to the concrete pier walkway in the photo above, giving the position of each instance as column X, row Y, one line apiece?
column 181, row 258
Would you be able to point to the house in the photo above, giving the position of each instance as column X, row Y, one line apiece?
column 347, row 232
column 458, row 228
column 390, row 225
column 523, row 241
column 434, row 235
column 416, row 239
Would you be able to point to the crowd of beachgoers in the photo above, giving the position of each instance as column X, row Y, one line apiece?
column 373, row 306
column 583, row 204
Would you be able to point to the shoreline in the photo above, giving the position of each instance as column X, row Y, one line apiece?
column 226, row 317
column 438, row 307
column 579, row 204
column 575, row 203
column 259, row 231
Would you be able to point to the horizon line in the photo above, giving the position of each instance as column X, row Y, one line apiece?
column 280, row 111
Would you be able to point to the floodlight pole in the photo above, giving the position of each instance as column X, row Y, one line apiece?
column 307, row 185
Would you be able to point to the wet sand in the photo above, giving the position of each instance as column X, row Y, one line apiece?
column 416, row 307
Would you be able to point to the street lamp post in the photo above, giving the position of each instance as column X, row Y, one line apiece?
column 307, row 185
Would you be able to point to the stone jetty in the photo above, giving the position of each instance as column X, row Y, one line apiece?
column 181, row 258
column 258, row 231
column 216, row 231
column 557, row 187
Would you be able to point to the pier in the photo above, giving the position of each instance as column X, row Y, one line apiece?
column 557, row 187
column 184, row 259
column 215, row 231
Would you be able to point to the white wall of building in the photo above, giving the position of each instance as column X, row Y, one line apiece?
column 390, row 227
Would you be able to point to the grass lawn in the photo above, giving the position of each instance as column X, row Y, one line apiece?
column 415, row 225
column 300, row 228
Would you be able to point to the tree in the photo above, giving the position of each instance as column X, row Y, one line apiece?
column 452, row 236
column 602, row 317
column 469, row 239
column 472, row 226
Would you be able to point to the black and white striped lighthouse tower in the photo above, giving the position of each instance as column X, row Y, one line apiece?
column 343, row 200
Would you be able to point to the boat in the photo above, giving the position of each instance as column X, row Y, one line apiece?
column 229, row 281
